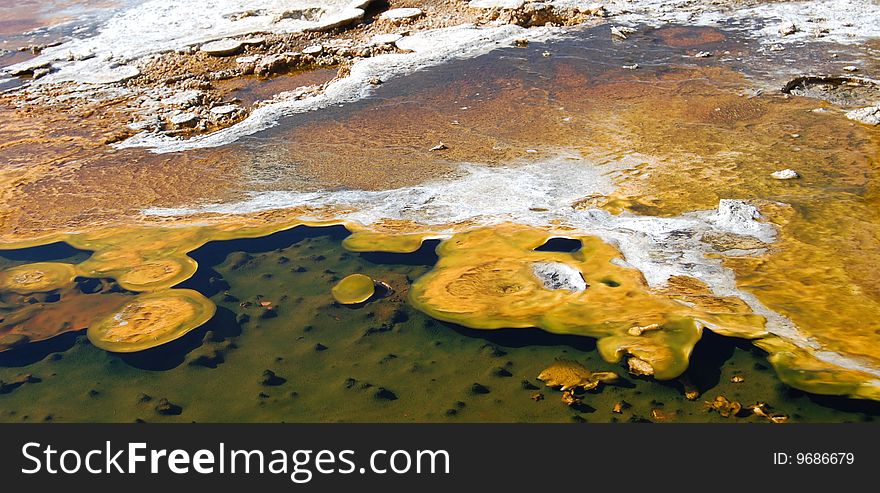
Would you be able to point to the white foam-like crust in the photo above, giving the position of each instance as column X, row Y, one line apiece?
column 541, row 194
column 426, row 48
column 845, row 21
column 159, row 26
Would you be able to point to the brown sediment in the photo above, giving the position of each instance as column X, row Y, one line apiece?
column 252, row 89
column 36, row 318
column 688, row 37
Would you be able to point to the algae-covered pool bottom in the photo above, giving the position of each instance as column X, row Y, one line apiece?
column 280, row 349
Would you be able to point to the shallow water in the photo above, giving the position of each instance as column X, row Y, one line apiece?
column 674, row 135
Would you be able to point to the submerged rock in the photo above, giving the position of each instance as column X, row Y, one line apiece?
column 384, row 394
column 639, row 366
column 568, row 375
column 16, row 382
column 723, row 406
column 526, row 385
column 479, row 389
column 270, row 379
column 167, row 408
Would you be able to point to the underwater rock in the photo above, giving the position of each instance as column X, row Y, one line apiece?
column 142, row 397
column 270, row 379
column 726, row 408
column 620, row 406
column 537, row 396
column 492, row 350
column 17, row 381
column 354, row 289
column 691, row 391
column 320, row 347
column 479, row 389
column 384, row 394
column 570, row 399
column 526, row 385
column 737, row 379
column 167, row 408
column 501, row 372
column 639, row 367
column 763, row 410
column 558, row 275
column 568, row 375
